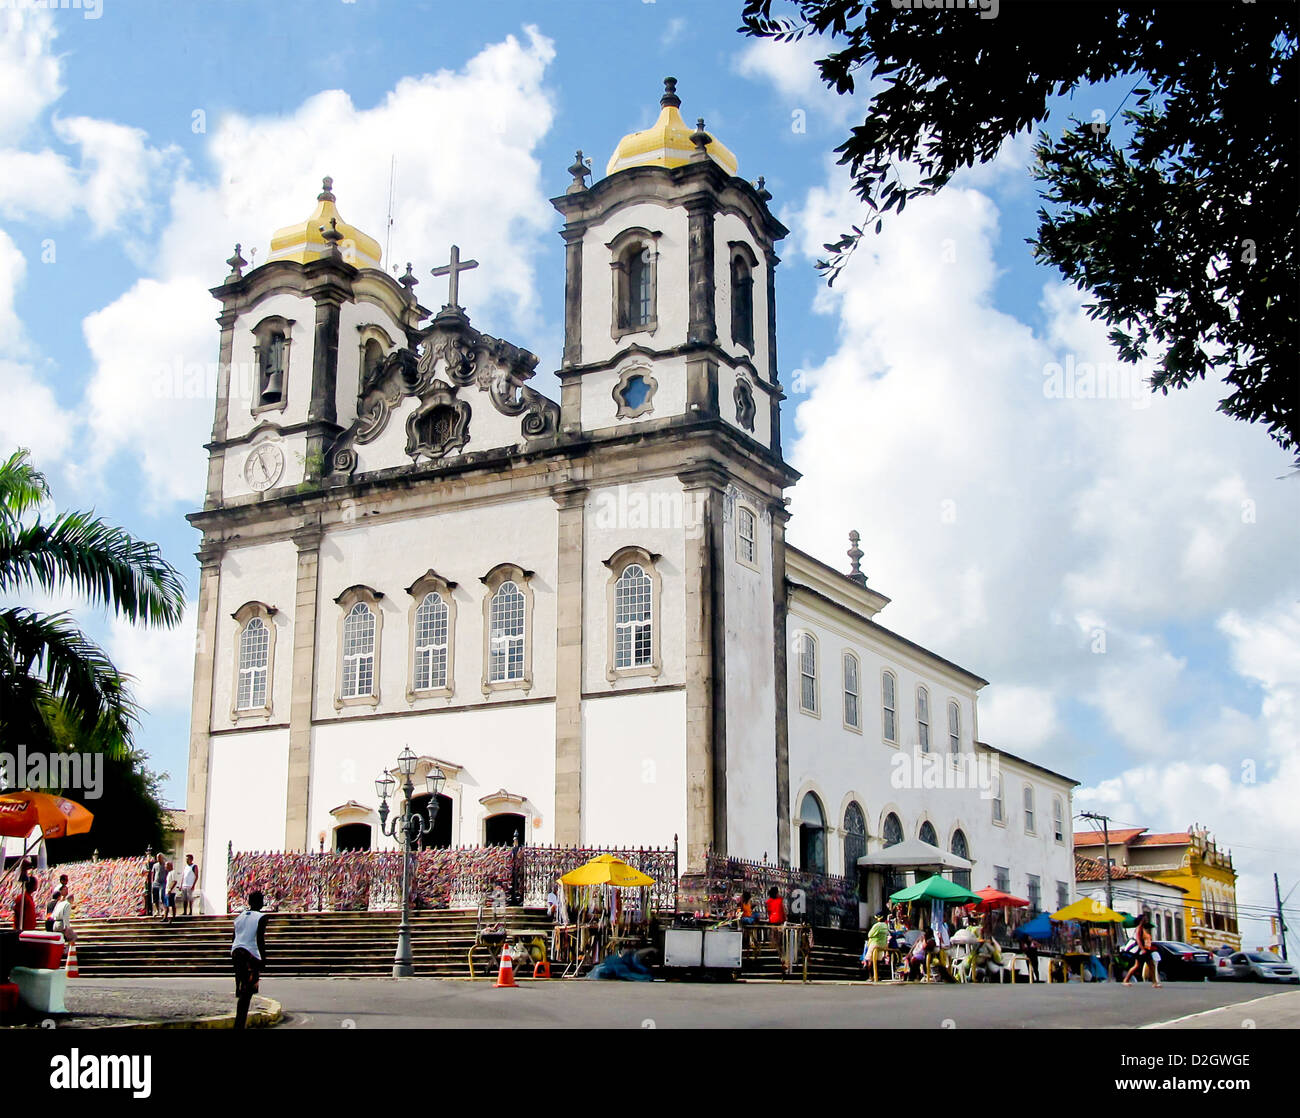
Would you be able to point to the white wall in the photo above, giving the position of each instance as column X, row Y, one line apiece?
column 634, row 769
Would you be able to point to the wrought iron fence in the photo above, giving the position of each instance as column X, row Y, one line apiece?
column 455, row 877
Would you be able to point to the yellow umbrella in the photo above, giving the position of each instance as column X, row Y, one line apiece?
column 1089, row 911
column 607, row 870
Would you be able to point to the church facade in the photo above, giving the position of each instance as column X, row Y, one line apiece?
column 585, row 613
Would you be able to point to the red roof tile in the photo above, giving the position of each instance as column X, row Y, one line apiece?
column 1117, row 837
column 1170, row 838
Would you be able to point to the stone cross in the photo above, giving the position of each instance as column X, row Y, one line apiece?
column 453, row 270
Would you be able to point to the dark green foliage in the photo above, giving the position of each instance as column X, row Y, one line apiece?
column 1184, row 233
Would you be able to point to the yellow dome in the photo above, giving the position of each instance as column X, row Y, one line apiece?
column 667, row 143
column 306, row 241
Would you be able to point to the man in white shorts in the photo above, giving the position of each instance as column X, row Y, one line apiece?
column 189, row 883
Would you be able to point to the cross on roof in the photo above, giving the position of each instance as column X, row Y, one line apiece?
column 453, row 271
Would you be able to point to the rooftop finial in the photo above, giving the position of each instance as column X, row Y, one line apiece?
column 855, row 557
column 409, row 281
column 701, row 139
column 579, row 170
column 326, row 190
column 236, row 263
column 670, row 98
column 764, row 195
column 332, row 236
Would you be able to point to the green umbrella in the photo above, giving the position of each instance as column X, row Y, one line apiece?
column 936, row 889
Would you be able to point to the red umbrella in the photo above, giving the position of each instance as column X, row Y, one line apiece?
column 995, row 898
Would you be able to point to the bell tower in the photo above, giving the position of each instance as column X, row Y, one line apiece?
column 670, row 310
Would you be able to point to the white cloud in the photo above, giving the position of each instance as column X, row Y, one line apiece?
column 473, row 180
column 118, row 166
column 1019, row 719
column 37, row 185
column 29, row 71
column 673, row 31
column 160, row 662
column 792, row 68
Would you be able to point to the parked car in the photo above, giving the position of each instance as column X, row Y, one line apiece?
column 1223, row 968
column 1182, row 961
column 1263, row 966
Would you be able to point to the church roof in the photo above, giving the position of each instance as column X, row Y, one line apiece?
column 305, row 241
column 667, row 142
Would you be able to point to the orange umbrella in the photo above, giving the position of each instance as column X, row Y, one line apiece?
column 21, row 811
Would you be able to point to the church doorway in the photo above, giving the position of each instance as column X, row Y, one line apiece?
column 352, row 836
column 440, row 837
column 503, row 829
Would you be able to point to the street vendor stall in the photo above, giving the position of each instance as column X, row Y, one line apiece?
column 602, row 920
column 1080, row 951
column 939, row 893
column 910, row 855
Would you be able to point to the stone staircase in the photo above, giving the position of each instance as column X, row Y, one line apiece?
column 357, row 945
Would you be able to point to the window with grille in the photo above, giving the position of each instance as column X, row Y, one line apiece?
column 254, row 643
column 855, row 838
column 923, row 718
column 640, row 307
column 745, row 535
column 893, row 830
column 1035, row 894
column 961, row 848
column 927, row 833
column 359, row 652
column 807, row 673
column 1002, row 879
column 889, row 688
column 851, row 688
column 954, row 730
column 633, row 603
column 431, row 644
column 506, row 640
column 1062, row 894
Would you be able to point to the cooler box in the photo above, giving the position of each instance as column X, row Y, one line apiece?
column 683, row 947
column 43, row 990
column 722, row 948
column 40, row 950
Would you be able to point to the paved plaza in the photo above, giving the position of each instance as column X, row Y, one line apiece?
column 433, row 1003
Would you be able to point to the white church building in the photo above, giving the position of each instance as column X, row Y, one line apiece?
column 585, row 612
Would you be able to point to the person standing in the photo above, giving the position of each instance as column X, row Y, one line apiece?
column 248, row 955
column 877, row 945
column 775, row 914
column 25, row 905
column 54, row 900
column 173, row 883
column 189, row 883
column 158, row 885
column 62, row 917
column 1145, row 953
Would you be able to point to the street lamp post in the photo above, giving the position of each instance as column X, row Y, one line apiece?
column 408, row 826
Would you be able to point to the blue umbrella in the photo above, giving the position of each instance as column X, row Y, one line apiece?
column 1040, row 927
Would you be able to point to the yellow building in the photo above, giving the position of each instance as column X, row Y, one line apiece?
column 1189, row 859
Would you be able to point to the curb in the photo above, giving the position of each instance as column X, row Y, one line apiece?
column 265, row 1016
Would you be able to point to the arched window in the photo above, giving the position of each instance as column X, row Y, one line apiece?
column 852, row 713
column 507, row 629
column 506, row 634
column 1058, row 820
column 812, row 835
column 954, row 730
column 431, row 644
column 855, row 838
column 742, row 302
column 634, row 259
column 632, row 601
column 961, row 848
column 807, row 673
column 892, row 832
column 927, row 833
column 271, row 353
column 633, row 620
column 1029, row 810
column 923, row 718
column 254, row 646
column 359, row 652
column 889, row 706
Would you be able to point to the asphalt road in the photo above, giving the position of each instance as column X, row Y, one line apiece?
column 430, row 1003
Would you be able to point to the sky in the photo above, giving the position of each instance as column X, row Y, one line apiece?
column 1121, row 566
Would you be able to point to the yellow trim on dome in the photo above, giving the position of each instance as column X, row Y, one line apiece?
column 304, row 242
column 667, row 143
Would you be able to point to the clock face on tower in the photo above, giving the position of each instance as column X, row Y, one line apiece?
column 263, row 466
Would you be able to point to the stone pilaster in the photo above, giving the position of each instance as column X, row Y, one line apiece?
column 572, row 235
column 706, row 746
column 221, row 418
column 205, row 651
column 305, row 601
column 568, row 667
column 700, row 271
column 782, row 681
column 323, row 407
column 772, row 261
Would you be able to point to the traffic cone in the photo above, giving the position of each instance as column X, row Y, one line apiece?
column 506, row 975
column 72, row 961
